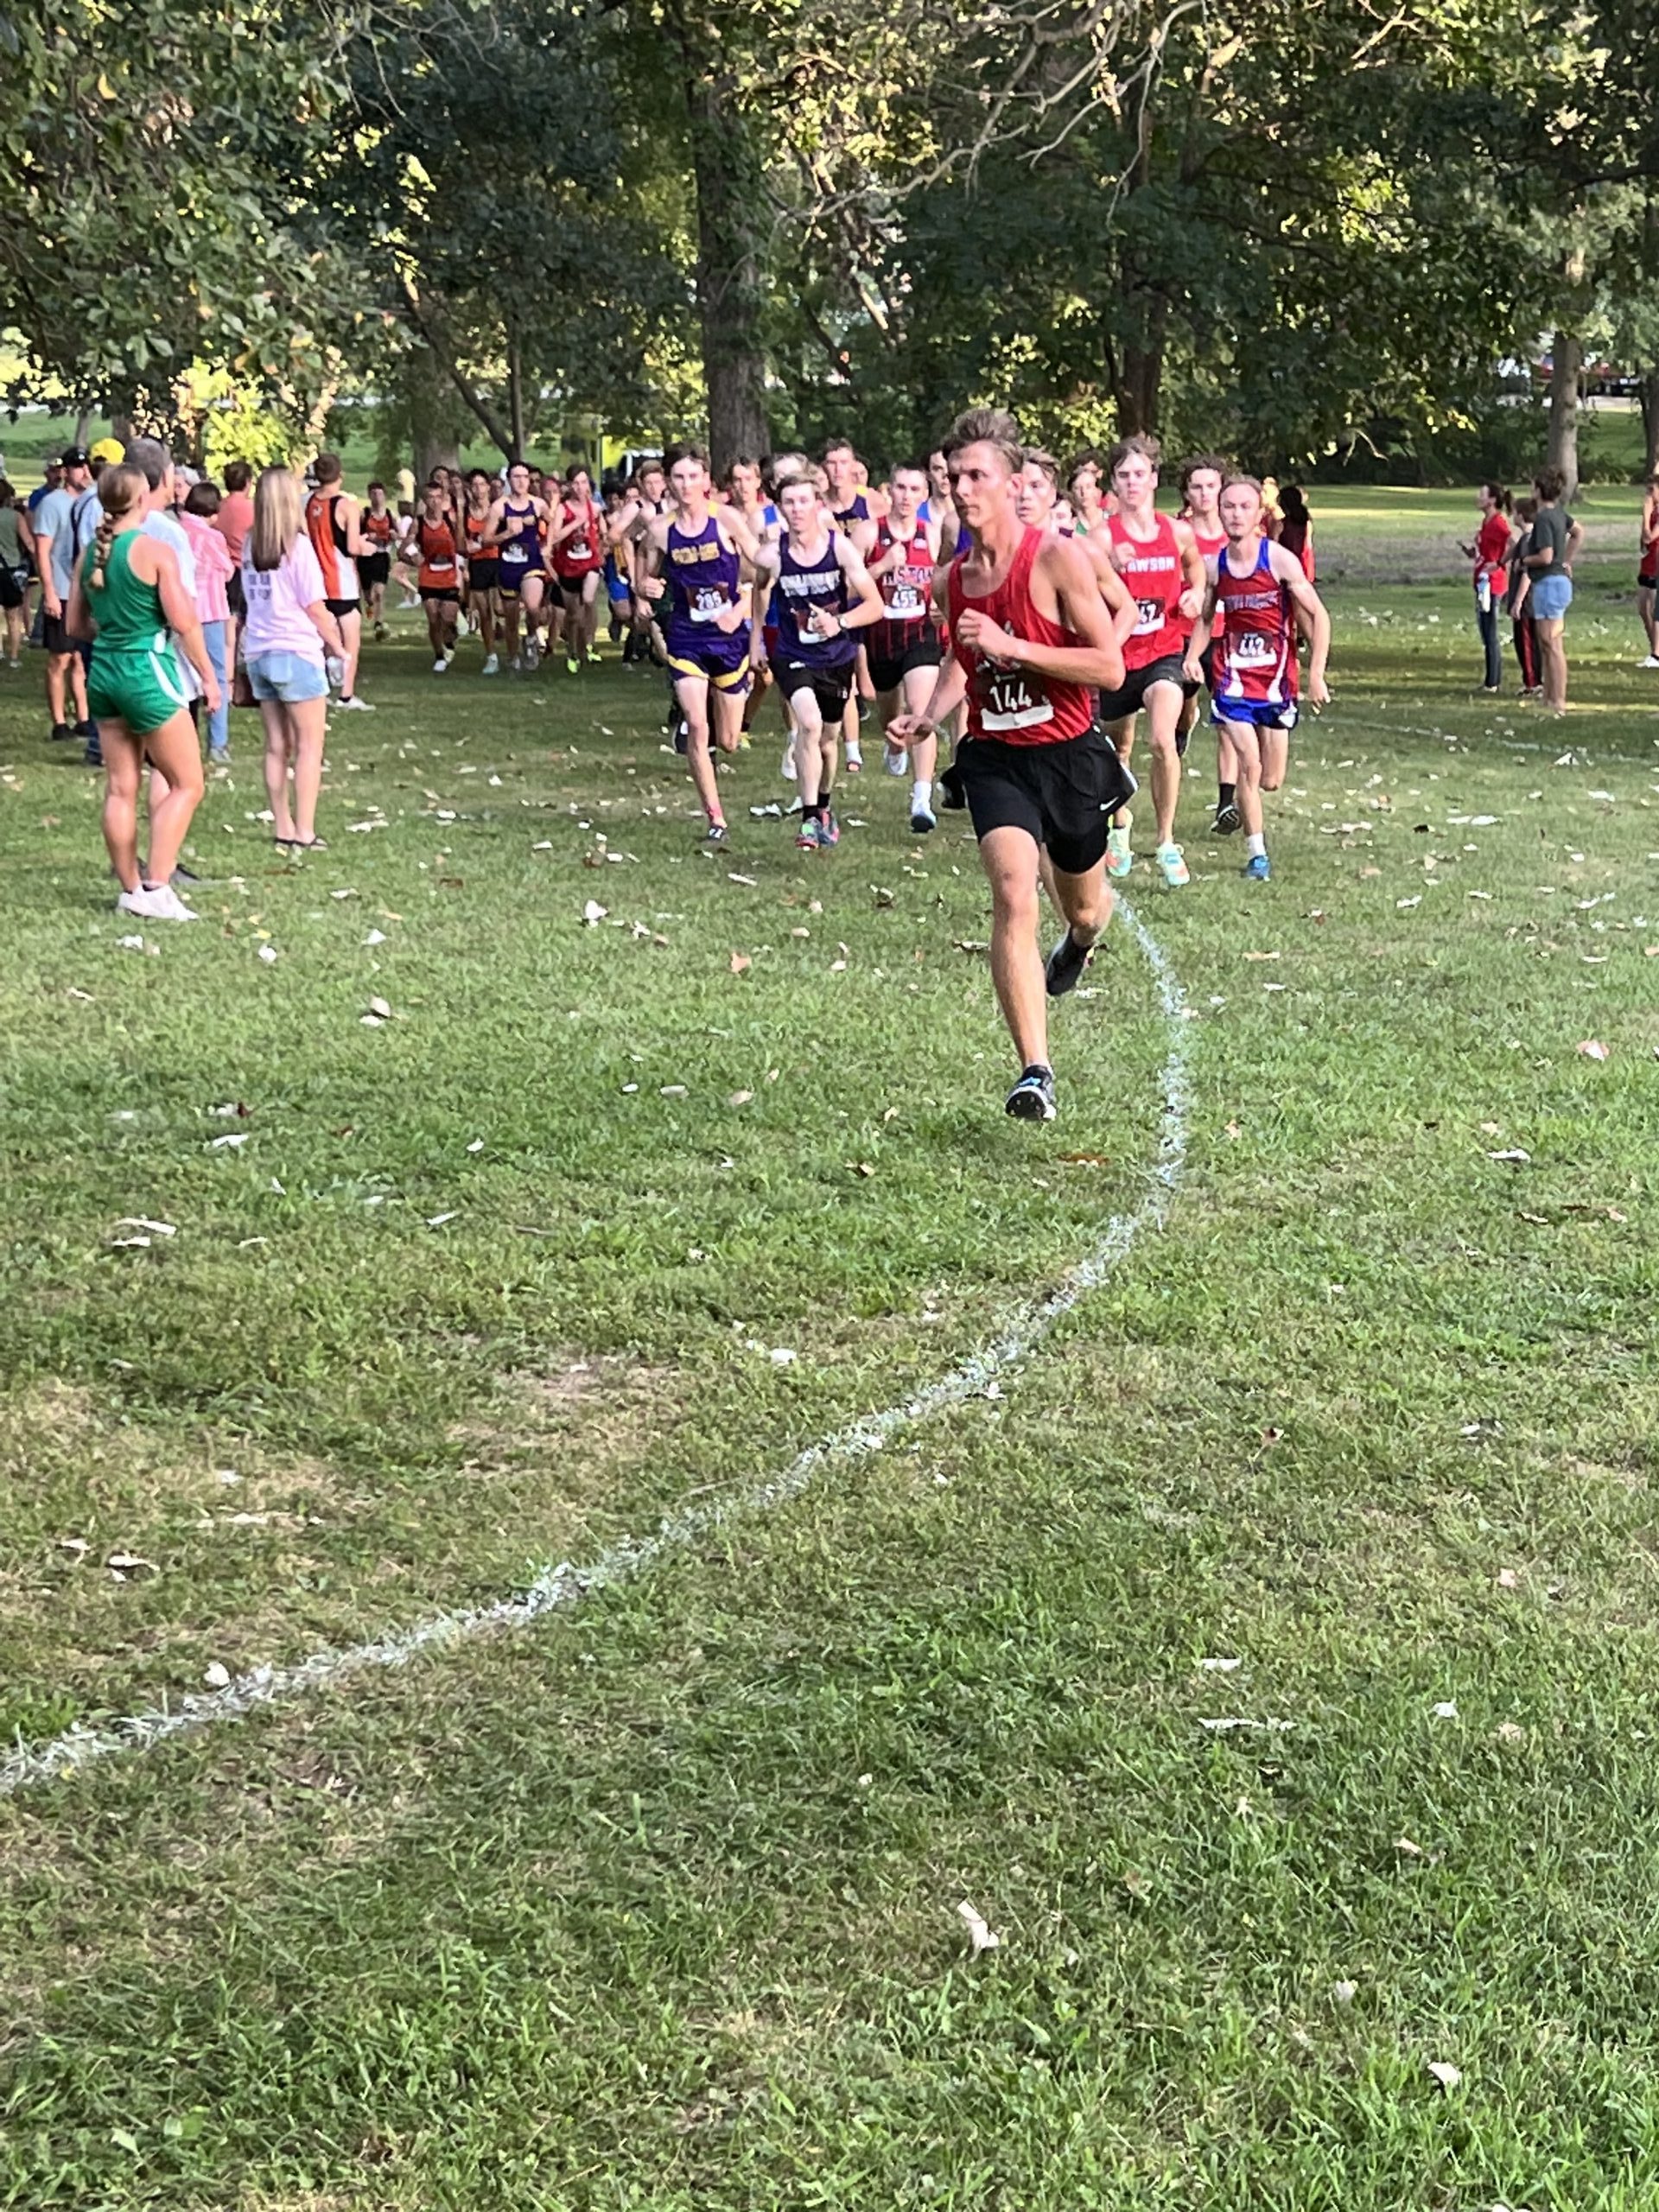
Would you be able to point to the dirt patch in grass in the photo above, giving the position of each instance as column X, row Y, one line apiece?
column 614, row 1406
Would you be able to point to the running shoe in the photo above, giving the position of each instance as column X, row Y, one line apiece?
column 533, row 653
column 922, row 818
column 1174, row 867
column 141, row 903
column 1652, row 661
column 156, row 902
column 1031, row 1098
column 353, row 705
column 493, row 665
column 829, row 828
column 1065, row 965
column 571, row 666
column 681, row 734
column 1119, row 859
column 895, row 763
column 854, row 757
column 1228, row 819
column 379, row 633
column 218, row 756
column 441, row 666
column 807, row 839
column 87, row 731
column 1256, row 869
column 593, row 656
column 715, row 834
column 63, row 732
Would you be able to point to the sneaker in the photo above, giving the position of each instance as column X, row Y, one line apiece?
column 493, row 665
column 517, row 663
column 895, row 763
column 787, row 771
column 922, row 818
column 218, row 756
column 62, row 732
column 93, row 756
column 1119, row 859
column 440, row 667
column 593, row 656
column 807, row 839
column 1063, row 968
column 533, row 654
column 1652, row 661
column 353, row 705
column 140, row 903
column 715, row 834
column 572, row 665
column 1031, row 1098
column 1174, row 867
column 407, row 602
column 854, row 757
column 87, row 731
column 681, row 734
column 1228, row 819
column 829, row 828
column 183, row 875
column 1256, row 869
column 161, row 903
column 379, row 633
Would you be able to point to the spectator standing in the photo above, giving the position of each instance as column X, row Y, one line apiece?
column 1296, row 528
column 234, row 522
column 1494, row 542
column 288, row 627
column 1551, row 543
column 17, row 569
column 64, row 522
column 1518, row 600
column 213, row 572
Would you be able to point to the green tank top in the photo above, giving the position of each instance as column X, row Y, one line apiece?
column 127, row 610
column 11, row 542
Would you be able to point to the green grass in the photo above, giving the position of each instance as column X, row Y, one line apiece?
column 654, row 1905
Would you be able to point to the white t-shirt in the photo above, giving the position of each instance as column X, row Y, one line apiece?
column 277, row 600
column 168, row 529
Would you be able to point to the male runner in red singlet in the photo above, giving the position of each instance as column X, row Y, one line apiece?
column 1159, row 561
column 380, row 534
column 1029, row 636
column 439, row 572
column 855, row 507
column 904, row 648
column 333, row 525
column 1257, row 596
column 483, row 565
column 577, row 542
column 1200, row 479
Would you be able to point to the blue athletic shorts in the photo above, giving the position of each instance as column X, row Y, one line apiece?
column 1550, row 597
column 1266, row 714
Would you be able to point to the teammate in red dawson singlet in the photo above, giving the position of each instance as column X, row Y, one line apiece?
column 904, row 648
column 1029, row 638
column 1159, row 561
column 1256, row 598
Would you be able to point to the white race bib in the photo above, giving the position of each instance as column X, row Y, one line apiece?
column 1250, row 648
column 1149, row 617
column 1010, row 703
column 905, row 603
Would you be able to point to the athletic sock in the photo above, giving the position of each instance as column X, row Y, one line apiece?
column 1256, row 847
column 1225, row 794
column 921, row 792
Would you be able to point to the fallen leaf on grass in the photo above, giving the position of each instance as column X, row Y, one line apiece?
column 1406, row 1848
column 156, row 1228
column 740, row 1098
column 860, row 1167
column 124, row 1563
column 231, row 1137
column 1228, row 1722
column 1446, row 1710
column 216, row 1676
column 1445, row 2073
column 1515, row 1157
column 981, row 1934
column 593, row 913
column 1085, row 1159
column 1219, row 1666
column 379, row 1009
column 671, row 1090
column 437, row 1220
column 375, row 937
column 1345, row 1993
column 732, row 877
column 1591, row 1048
column 741, row 964
column 1263, row 956
column 268, row 953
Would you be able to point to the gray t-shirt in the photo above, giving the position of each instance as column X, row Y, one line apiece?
column 69, row 518
column 1551, row 529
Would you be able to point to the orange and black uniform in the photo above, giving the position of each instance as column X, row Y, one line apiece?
column 328, row 535
column 440, row 570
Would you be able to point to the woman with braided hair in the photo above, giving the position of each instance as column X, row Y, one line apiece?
column 127, row 592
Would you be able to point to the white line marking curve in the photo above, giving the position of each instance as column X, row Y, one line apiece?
column 28, row 1765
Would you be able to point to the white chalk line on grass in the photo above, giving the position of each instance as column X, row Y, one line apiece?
column 563, row 1585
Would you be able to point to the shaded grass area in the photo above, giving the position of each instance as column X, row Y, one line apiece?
column 656, row 1906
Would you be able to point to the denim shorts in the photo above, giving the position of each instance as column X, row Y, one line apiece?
column 1549, row 598
column 288, row 677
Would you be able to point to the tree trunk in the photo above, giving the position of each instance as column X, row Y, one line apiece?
column 434, row 423
column 1650, row 420
column 1566, row 361
column 729, row 288
column 516, row 403
column 1138, row 384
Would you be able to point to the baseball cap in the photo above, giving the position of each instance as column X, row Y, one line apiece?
column 75, row 457
column 108, row 451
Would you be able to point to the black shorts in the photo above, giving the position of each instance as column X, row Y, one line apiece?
column 1647, row 580
column 11, row 587
column 341, row 607
column 440, row 595
column 54, row 637
column 374, row 569
column 831, row 687
column 1131, row 694
column 888, row 675
column 573, row 587
column 1063, row 794
column 483, row 575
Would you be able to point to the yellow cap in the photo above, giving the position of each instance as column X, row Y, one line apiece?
column 108, row 450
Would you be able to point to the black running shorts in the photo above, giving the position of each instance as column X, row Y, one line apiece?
column 1063, row 795
column 888, row 675
column 831, row 687
column 1131, row 694
column 341, row 607
column 374, row 569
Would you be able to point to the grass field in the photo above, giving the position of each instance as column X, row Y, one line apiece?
column 653, row 1903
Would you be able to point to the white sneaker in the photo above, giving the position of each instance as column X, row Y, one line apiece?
column 1652, row 661
column 441, row 666
column 140, row 903
column 1176, row 873
column 787, row 770
column 854, row 755
column 355, row 705
column 157, row 902
column 533, row 653
column 1119, row 859
column 493, row 665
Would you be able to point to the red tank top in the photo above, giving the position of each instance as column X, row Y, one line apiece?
column 1153, row 576
column 1256, row 637
column 1014, row 704
column 1210, row 543
column 328, row 535
column 436, row 542
column 906, row 594
column 378, row 528
column 582, row 551
column 472, row 528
